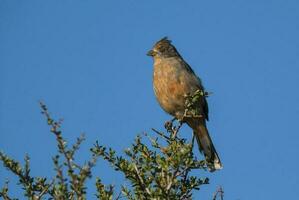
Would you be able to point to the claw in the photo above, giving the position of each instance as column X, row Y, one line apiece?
column 168, row 126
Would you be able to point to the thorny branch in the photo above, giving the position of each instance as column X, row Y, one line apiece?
column 159, row 170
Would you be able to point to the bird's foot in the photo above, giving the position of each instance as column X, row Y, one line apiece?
column 169, row 125
column 176, row 129
column 173, row 130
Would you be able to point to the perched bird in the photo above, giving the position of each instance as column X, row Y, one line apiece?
column 173, row 79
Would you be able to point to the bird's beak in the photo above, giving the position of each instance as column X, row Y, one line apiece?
column 150, row 53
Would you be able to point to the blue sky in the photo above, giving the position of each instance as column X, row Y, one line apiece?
column 86, row 60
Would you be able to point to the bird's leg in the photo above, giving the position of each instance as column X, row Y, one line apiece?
column 176, row 129
column 169, row 125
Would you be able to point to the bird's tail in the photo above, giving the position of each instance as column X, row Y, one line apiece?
column 206, row 146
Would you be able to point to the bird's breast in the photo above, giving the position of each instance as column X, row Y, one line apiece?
column 171, row 82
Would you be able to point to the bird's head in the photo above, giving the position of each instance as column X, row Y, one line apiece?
column 163, row 49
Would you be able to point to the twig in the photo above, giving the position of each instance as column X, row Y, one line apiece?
column 219, row 192
column 176, row 130
column 4, row 191
column 118, row 196
column 61, row 145
column 141, row 180
column 44, row 191
column 161, row 134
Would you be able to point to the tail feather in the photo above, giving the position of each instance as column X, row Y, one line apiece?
column 206, row 146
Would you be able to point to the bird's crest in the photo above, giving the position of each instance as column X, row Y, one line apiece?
column 164, row 40
column 162, row 43
column 165, row 47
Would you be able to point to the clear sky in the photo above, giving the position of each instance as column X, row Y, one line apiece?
column 86, row 60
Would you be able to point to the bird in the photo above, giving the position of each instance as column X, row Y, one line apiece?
column 173, row 80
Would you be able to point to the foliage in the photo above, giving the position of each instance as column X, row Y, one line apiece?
column 191, row 103
column 156, row 168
